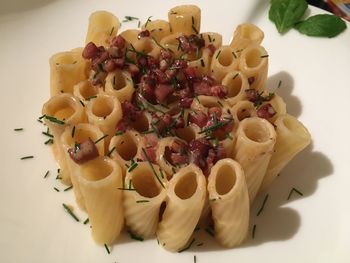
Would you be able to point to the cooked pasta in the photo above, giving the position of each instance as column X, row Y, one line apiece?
column 229, row 201
column 168, row 128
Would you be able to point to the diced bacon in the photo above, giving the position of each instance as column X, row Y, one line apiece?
column 215, row 110
column 186, row 102
column 83, row 152
column 218, row 91
column 179, row 64
column 180, row 123
column 133, row 70
column 163, row 65
column 178, row 159
column 160, row 76
column 118, row 41
column 115, row 52
column 151, row 140
column 144, row 33
column 190, row 73
column 266, row 111
column 251, row 80
column 152, row 62
column 130, row 111
column 162, row 91
column 208, row 79
column 199, row 118
column 166, row 54
column 211, row 49
column 90, row 51
column 147, row 92
column 251, row 94
column 110, row 65
column 151, row 153
column 202, row 88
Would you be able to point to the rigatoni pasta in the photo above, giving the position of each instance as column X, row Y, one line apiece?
column 165, row 128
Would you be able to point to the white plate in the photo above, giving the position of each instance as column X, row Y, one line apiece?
column 309, row 228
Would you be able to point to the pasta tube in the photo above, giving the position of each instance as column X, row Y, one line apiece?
column 184, row 205
column 245, row 35
column 185, row 19
column 142, row 203
column 229, row 202
column 256, row 138
column 99, row 182
column 292, row 138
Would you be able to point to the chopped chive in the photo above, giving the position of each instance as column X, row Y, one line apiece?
column 197, row 99
column 139, row 24
column 235, row 76
column 188, row 247
column 195, row 259
column 106, row 247
column 111, row 151
column 142, row 201
column 47, row 134
column 152, row 167
column 220, row 103
column 111, row 31
column 265, row 56
column 49, row 141
column 53, row 119
column 212, row 199
column 202, row 63
column 294, row 190
column 148, row 20
column 214, row 127
column 118, row 133
column 40, row 121
column 126, row 189
column 57, row 190
column 82, row 103
column 69, row 211
column 209, row 38
column 58, row 177
column 161, row 173
column 192, row 20
column 27, row 157
column 132, row 167
column 253, row 231
column 173, row 170
column 134, row 236
column 200, row 244
column 148, row 132
column 263, row 205
column 234, row 54
column 46, row 174
column 73, row 132
column 68, row 188
column 218, row 54
column 279, row 84
column 197, row 53
column 130, row 18
column 91, row 97
column 195, row 29
column 228, row 136
column 18, row 129
column 100, row 139
column 210, row 231
column 188, row 120
column 86, row 221
column 157, row 43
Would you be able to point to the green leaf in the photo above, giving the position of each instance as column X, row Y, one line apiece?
column 286, row 13
column 321, row 26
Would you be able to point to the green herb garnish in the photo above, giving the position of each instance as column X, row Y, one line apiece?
column 27, row 157
column 218, row 54
column 86, row 221
column 49, row 141
column 100, row 139
column 134, row 236
column 57, row 190
column 202, row 63
column 142, row 201
column 253, row 231
column 152, row 167
column 46, row 174
column 18, row 129
column 106, row 247
column 263, row 205
column 68, row 188
column 111, row 151
column 91, row 97
column 69, row 211
column 210, row 231
column 188, row 247
column 53, row 119
column 294, row 190
column 73, row 132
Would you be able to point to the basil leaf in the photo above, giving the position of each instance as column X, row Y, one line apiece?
column 285, row 13
column 321, row 26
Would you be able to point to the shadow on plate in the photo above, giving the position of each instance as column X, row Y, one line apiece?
column 15, row 6
column 283, row 83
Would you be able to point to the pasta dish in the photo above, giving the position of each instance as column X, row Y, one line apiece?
column 164, row 128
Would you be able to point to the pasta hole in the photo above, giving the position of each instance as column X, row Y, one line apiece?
column 186, row 133
column 243, row 114
column 118, row 81
column 234, row 86
column 126, row 147
column 257, row 132
column 102, row 106
column 226, row 57
column 96, row 169
column 186, row 186
column 144, row 183
column 225, row 179
column 253, row 58
column 141, row 124
column 87, row 90
column 64, row 113
column 161, row 210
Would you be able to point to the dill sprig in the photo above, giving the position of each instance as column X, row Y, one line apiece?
column 69, row 211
